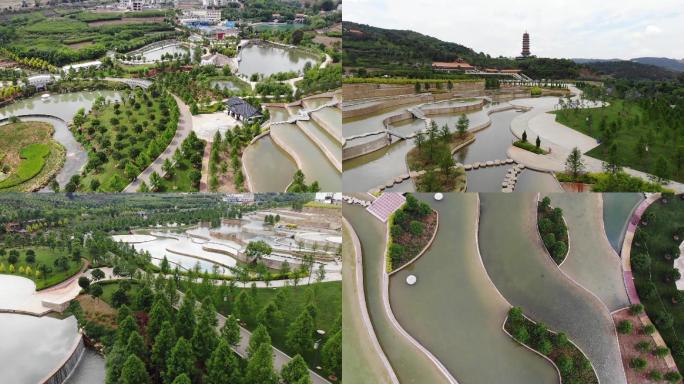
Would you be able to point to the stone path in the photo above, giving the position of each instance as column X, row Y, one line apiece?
column 204, row 185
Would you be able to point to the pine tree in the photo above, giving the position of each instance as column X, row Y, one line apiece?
column 161, row 312
column 136, row 346
column 331, row 354
column 134, row 371
column 163, row 343
column 231, row 331
column 182, row 379
column 204, row 338
column 245, row 306
column 295, row 371
column 299, row 336
column 259, row 336
column 181, row 360
column 223, row 366
column 260, row 366
column 185, row 318
column 270, row 317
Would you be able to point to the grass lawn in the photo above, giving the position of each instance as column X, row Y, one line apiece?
column 121, row 145
column 44, row 255
column 659, row 233
column 639, row 142
column 108, row 290
column 31, row 154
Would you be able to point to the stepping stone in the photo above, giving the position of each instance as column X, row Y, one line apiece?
column 468, row 167
column 405, row 176
column 421, row 173
column 497, row 162
column 398, row 180
column 389, row 184
column 489, row 163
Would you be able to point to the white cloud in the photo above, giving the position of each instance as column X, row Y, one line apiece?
column 559, row 28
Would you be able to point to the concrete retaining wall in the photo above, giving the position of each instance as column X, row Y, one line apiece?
column 368, row 90
column 363, row 149
column 386, row 104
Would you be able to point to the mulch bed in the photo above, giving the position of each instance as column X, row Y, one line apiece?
column 629, row 351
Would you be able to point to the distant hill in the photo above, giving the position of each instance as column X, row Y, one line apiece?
column 630, row 70
column 662, row 62
column 370, row 47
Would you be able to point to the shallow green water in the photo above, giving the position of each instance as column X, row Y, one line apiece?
column 270, row 167
column 455, row 311
column 617, row 208
column 408, row 362
column 527, row 277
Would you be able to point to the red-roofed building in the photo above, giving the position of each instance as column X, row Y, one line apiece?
column 455, row 66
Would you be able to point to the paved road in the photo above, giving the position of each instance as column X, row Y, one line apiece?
column 184, row 129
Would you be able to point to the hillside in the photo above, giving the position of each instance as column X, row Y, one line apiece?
column 375, row 48
column 366, row 46
column 630, row 70
column 662, row 62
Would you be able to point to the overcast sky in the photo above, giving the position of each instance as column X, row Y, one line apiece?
column 558, row 28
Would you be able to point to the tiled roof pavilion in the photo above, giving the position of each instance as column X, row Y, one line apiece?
column 385, row 205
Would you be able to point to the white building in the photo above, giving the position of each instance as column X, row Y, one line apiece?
column 239, row 198
column 79, row 66
column 41, row 81
column 211, row 16
column 328, row 197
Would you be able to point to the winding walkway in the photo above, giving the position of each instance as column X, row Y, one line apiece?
column 183, row 130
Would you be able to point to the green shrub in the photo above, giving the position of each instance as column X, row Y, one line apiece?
column 636, row 309
column 638, row 364
column 625, row 327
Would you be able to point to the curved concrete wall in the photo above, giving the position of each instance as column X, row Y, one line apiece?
column 68, row 365
column 365, row 148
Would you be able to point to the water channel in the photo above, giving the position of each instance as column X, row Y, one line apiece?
column 410, row 364
column 617, row 209
column 522, row 271
column 455, row 311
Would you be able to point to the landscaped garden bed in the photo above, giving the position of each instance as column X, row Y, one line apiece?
column 552, row 229
column 642, row 359
column 433, row 154
column 412, row 228
column 44, row 265
column 573, row 366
